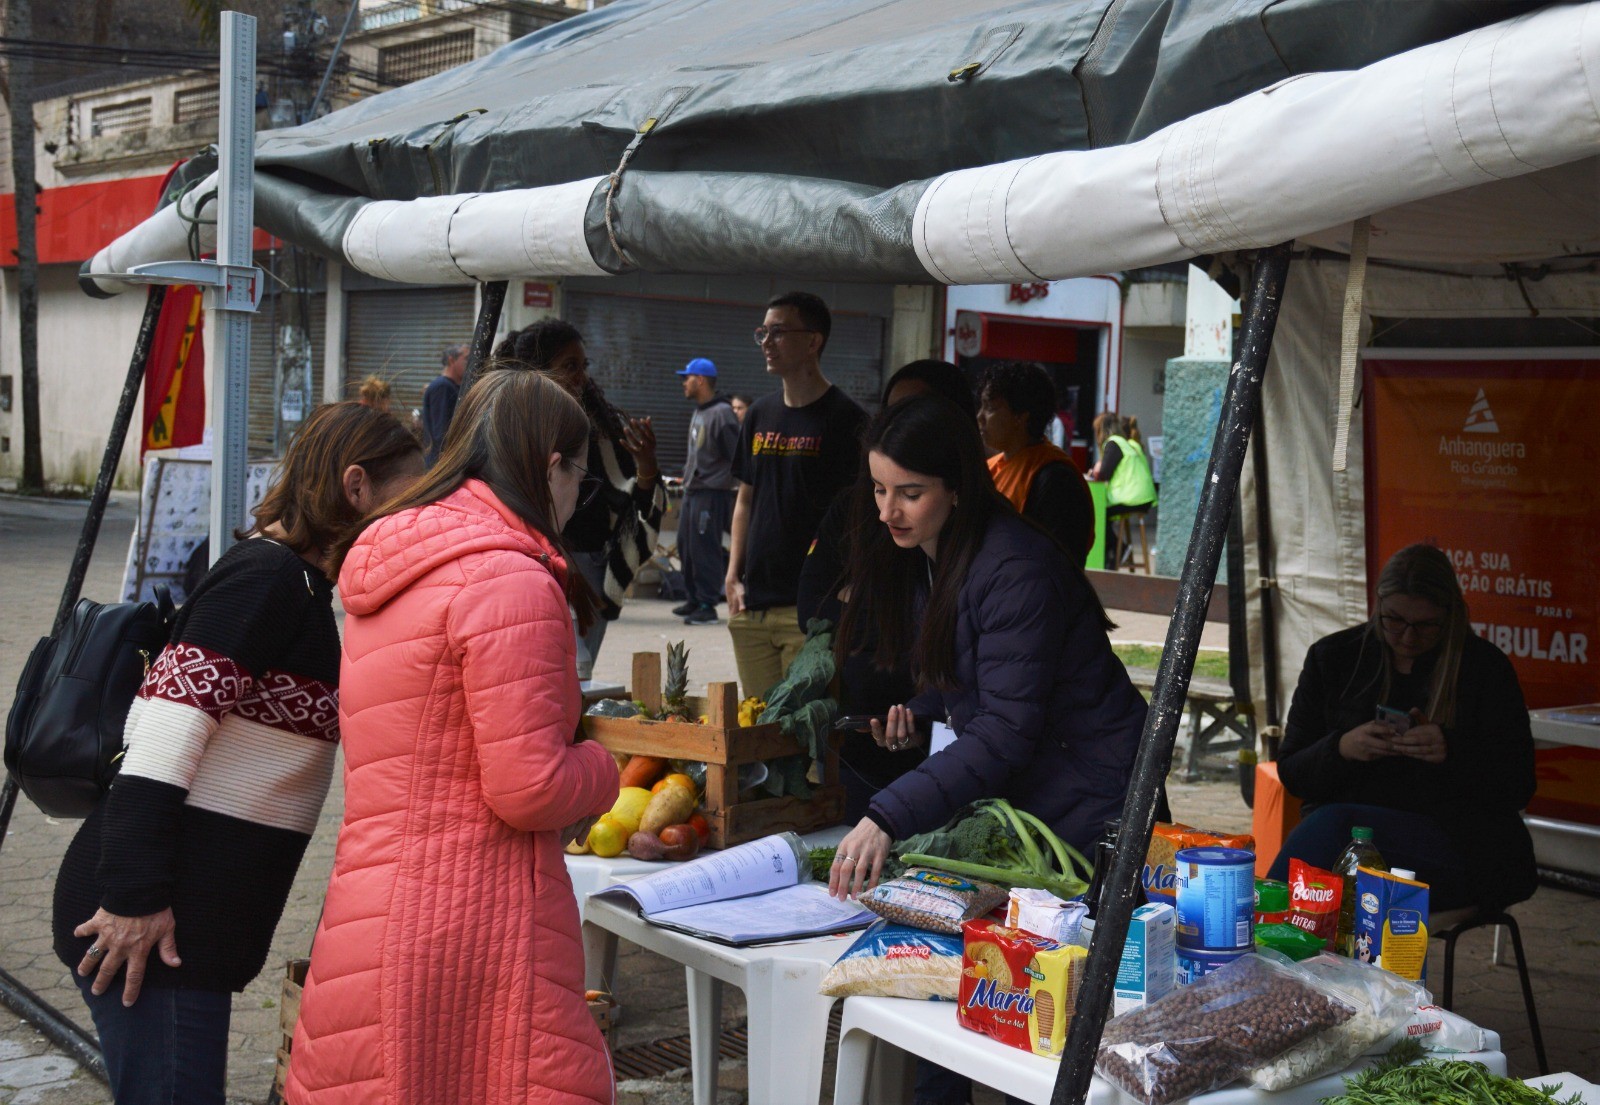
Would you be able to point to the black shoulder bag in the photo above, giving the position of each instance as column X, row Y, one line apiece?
column 64, row 734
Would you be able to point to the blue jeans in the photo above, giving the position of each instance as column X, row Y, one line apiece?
column 1404, row 839
column 171, row 1048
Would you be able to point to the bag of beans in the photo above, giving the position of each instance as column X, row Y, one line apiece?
column 927, row 899
column 1204, row 1035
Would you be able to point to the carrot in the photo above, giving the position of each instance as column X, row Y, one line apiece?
column 643, row 771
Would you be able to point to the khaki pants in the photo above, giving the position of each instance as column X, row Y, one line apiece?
column 765, row 643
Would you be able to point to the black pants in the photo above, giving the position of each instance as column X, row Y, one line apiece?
column 702, row 528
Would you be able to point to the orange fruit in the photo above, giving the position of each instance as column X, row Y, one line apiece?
column 676, row 780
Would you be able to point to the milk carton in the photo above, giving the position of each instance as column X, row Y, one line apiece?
column 1392, row 921
column 1149, row 958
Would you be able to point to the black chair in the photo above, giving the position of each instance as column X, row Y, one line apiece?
column 1457, row 922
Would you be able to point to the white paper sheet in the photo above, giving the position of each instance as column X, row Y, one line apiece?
column 943, row 737
column 803, row 910
column 753, row 868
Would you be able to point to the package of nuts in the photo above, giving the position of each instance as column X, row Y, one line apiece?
column 1205, row 1035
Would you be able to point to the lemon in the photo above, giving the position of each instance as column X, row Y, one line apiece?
column 629, row 808
column 607, row 837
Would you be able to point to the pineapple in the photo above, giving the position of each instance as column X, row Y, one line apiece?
column 675, row 696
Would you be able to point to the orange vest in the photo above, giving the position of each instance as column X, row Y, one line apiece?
column 1014, row 477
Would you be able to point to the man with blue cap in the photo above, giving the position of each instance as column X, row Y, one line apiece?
column 709, row 490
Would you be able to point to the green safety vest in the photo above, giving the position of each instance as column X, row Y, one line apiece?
column 1131, row 484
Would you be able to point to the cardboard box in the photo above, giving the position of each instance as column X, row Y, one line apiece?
column 1149, row 958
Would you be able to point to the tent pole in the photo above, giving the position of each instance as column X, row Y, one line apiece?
column 1154, row 759
column 1264, row 571
column 491, row 299
column 14, row 994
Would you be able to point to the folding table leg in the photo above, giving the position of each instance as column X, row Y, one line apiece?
column 705, row 1033
column 599, row 958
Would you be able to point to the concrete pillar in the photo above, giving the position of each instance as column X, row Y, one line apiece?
column 914, row 331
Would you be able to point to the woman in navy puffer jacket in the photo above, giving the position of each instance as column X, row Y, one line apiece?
column 1007, row 639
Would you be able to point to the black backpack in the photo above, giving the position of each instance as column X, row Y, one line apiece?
column 64, row 733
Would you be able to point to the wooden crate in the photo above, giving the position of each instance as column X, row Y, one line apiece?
column 723, row 747
column 294, row 981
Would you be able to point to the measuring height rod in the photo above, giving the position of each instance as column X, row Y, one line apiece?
column 236, row 296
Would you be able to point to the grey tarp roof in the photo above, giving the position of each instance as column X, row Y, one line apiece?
column 849, row 90
column 802, row 138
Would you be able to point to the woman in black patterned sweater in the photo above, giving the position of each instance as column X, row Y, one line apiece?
column 178, row 878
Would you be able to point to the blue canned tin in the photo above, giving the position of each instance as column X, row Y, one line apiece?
column 1193, row 965
column 1215, row 898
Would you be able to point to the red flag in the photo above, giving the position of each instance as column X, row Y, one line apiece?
column 174, row 376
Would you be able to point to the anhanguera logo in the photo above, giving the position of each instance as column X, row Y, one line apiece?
column 1484, row 453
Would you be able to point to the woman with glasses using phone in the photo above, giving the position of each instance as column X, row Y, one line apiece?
column 447, row 965
column 1441, row 790
column 614, row 530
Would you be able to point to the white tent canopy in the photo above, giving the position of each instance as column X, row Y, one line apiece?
column 1497, row 129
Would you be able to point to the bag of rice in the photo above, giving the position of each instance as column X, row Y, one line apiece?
column 932, row 900
column 893, row 961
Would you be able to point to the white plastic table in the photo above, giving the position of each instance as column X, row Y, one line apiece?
column 589, row 874
column 787, row 1020
column 879, row 1038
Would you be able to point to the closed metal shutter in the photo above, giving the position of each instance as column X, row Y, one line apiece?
column 268, row 438
column 398, row 335
column 637, row 344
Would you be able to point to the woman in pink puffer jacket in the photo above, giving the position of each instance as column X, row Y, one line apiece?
column 447, row 966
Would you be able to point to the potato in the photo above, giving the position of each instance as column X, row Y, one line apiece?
column 643, row 845
column 680, row 841
column 671, row 806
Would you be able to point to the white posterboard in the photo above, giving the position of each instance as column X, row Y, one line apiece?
column 174, row 517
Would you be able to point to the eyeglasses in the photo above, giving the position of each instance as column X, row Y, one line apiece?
column 776, row 332
column 588, row 486
column 1394, row 623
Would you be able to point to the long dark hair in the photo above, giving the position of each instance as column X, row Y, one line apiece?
column 1424, row 572
column 307, row 499
column 536, row 345
column 941, row 378
column 932, row 437
column 503, row 433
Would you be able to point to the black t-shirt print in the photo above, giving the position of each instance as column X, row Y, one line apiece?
column 797, row 459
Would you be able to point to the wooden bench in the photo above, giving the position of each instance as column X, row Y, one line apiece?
column 1218, row 724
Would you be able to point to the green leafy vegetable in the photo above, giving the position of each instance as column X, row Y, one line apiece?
column 822, row 863
column 992, row 841
column 1393, row 1081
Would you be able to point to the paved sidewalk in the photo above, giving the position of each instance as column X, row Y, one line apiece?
column 1560, row 928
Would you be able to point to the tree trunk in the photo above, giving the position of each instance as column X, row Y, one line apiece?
column 19, row 24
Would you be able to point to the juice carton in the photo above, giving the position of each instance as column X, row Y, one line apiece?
column 1149, row 962
column 1392, row 922
column 1018, row 988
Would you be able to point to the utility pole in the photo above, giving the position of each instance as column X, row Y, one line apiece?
column 19, row 24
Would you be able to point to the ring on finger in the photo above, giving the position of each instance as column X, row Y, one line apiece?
column 95, row 951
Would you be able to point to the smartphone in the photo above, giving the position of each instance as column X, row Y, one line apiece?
column 858, row 723
column 1398, row 719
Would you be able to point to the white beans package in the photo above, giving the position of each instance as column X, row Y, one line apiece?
column 1437, row 1030
column 1383, row 1002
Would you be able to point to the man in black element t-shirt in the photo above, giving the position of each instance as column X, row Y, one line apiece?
column 797, row 449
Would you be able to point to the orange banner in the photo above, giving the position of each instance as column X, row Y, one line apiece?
column 1497, row 462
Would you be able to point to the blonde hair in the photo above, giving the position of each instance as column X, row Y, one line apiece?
column 375, row 392
column 1422, row 571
